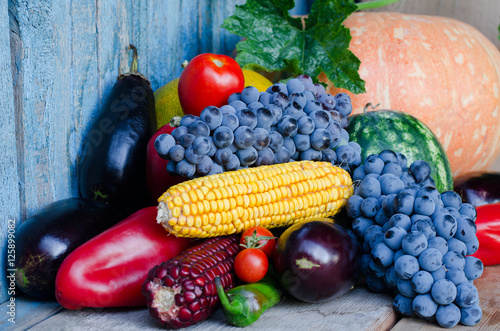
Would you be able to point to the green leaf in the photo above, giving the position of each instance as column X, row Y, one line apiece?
column 276, row 41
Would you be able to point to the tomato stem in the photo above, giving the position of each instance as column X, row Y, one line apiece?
column 256, row 242
column 133, row 66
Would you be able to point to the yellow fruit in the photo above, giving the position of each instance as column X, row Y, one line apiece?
column 167, row 103
column 253, row 78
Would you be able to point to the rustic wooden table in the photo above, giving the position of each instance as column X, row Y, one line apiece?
column 357, row 310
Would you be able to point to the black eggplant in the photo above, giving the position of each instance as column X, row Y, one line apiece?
column 113, row 163
column 45, row 239
column 478, row 188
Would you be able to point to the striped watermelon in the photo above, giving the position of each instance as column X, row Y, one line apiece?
column 400, row 132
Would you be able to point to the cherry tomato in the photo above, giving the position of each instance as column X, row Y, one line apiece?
column 250, row 265
column 248, row 239
column 208, row 80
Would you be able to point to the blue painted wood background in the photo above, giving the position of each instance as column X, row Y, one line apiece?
column 58, row 62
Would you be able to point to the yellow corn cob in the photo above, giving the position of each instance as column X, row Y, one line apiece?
column 267, row 196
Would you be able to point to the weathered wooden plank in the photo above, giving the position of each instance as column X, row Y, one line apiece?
column 488, row 286
column 28, row 312
column 9, row 179
column 357, row 310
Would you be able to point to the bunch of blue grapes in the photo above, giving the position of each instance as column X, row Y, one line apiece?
column 417, row 243
column 291, row 121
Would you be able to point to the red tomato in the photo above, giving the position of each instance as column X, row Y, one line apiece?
column 157, row 178
column 208, row 80
column 250, row 265
column 249, row 240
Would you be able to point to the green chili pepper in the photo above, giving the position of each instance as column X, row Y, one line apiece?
column 244, row 304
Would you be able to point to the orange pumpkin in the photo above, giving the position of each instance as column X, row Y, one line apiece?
column 440, row 70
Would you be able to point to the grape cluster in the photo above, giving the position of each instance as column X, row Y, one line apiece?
column 290, row 121
column 417, row 243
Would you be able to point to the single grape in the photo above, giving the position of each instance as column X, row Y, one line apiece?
column 374, row 164
column 401, row 220
column 320, row 140
column 388, row 156
column 369, row 187
column 253, row 106
column 187, row 140
column 265, row 98
column 249, row 94
column 422, row 282
column 298, row 98
column 321, row 118
column 185, row 169
column 199, row 128
column 191, row 156
column 238, row 105
column 403, row 203
column 287, row 126
column 172, row 168
column 424, row 205
column 305, row 125
column 265, row 156
column 448, row 316
column 320, row 89
column 430, row 259
column 472, row 246
column 264, row 118
column 205, row 166
column 451, row 199
column 376, row 270
column 247, row 117
column 231, row 121
column 212, row 116
column 424, row 306
column 227, row 109
column 454, row 259
column 359, row 173
column 176, row 153
column 391, row 184
column 407, row 178
column 244, row 137
column 295, row 85
column 403, row 305
column 282, row 156
column 280, row 99
column 406, row 266
column 392, row 168
column 456, row 275
column 163, row 143
column 234, row 97
column 345, row 154
column 202, row 145
column 275, row 141
column 446, row 225
column 458, row 246
column 420, row 170
column 328, row 101
column 311, row 154
column 471, row 315
column 233, row 164
column 343, row 104
column 223, row 156
column 216, row 169
column 382, row 255
column 329, row 155
column 311, row 106
column 247, row 156
column 391, row 278
column 414, row 243
column 473, row 267
column 302, row 142
column 466, row 229
column 467, row 209
column 277, row 87
column 467, row 295
column 277, row 113
column 188, row 119
column 369, row 207
column 393, row 237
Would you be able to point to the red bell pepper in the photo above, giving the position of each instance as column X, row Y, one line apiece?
column 488, row 233
column 109, row 269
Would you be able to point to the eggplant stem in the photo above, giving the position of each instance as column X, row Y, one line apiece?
column 133, row 66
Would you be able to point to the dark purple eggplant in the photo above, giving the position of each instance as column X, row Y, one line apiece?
column 478, row 188
column 316, row 261
column 113, row 163
column 45, row 239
